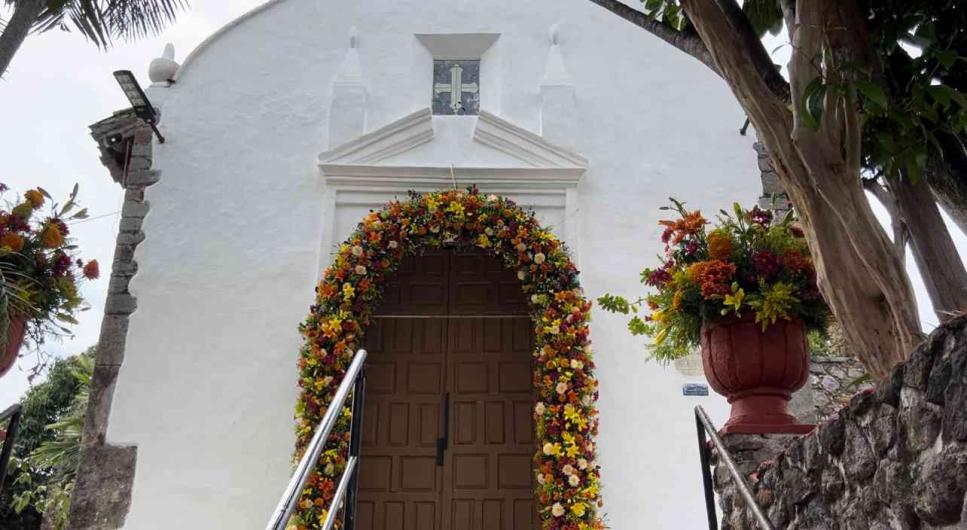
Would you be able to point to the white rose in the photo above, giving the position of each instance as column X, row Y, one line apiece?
column 393, row 244
column 521, row 247
column 492, row 198
column 540, row 408
column 573, row 480
column 357, row 250
column 521, row 275
column 561, row 387
column 360, row 270
column 539, row 258
column 548, row 448
column 568, row 469
column 540, row 479
column 576, row 364
column 557, row 510
column 582, row 463
column 489, row 231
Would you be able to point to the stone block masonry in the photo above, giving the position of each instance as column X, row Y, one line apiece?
column 895, row 457
column 105, row 474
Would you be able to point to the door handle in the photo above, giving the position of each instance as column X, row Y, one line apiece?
column 443, row 443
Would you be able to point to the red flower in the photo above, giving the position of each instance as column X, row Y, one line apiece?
column 766, row 263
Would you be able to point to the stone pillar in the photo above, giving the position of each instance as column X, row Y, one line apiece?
column 558, row 112
column 347, row 108
column 105, row 474
column 773, row 197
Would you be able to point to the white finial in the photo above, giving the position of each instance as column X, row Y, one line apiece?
column 164, row 68
column 553, row 34
column 353, row 42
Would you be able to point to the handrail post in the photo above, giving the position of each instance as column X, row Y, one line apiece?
column 704, row 456
column 13, row 412
column 314, row 449
column 355, row 442
column 745, row 492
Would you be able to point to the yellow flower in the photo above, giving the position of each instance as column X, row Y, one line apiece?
column 456, row 208
column 347, row 292
column 578, row 509
column 735, row 299
column 483, row 241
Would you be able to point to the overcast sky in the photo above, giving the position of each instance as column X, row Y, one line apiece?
column 58, row 85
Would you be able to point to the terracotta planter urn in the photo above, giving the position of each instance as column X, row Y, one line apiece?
column 16, row 329
column 757, row 371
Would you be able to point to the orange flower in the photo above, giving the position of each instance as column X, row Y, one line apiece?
column 12, row 241
column 677, row 230
column 51, row 237
column 91, row 270
column 719, row 245
column 35, row 198
column 713, row 277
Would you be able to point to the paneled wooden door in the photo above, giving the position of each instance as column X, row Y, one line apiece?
column 448, row 432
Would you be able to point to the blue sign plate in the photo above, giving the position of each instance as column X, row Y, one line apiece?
column 694, row 389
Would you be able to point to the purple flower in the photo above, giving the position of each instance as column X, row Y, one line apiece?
column 760, row 216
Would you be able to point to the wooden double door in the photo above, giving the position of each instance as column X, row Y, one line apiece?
column 448, row 432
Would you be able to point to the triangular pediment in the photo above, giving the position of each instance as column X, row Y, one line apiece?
column 488, row 144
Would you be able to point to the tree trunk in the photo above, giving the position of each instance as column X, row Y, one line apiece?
column 25, row 13
column 947, row 176
column 934, row 251
column 859, row 273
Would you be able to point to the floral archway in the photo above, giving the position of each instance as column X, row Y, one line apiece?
column 565, row 416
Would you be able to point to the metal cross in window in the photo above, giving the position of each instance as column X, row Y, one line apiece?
column 463, row 91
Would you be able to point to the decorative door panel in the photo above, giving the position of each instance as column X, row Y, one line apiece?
column 399, row 481
column 487, row 475
column 448, row 433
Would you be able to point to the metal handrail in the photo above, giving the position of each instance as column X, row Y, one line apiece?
column 13, row 414
column 704, row 425
column 353, row 380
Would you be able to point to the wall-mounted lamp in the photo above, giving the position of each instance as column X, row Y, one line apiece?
column 139, row 101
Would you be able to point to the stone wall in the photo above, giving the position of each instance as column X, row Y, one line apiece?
column 834, row 380
column 895, row 457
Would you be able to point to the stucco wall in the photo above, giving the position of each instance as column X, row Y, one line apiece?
column 232, row 247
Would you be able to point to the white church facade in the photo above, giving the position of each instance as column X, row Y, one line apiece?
column 283, row 131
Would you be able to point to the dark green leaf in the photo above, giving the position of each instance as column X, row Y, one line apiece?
column 872, row 92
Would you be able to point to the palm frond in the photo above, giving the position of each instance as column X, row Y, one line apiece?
column 103, row 21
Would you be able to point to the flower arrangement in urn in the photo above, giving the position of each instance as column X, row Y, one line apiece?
column 39, row 270
column 744, row 290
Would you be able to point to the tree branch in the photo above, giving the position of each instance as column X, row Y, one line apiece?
column 689, row 43
column 747, row 38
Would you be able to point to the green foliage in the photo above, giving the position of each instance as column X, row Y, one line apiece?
column 914, row 91
column 751, row 265
column 50, row 426
column 102, row 21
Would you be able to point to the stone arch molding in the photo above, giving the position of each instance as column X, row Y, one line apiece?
column 565, row 413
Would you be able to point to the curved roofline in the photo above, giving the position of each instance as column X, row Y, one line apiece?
column 220, row 32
